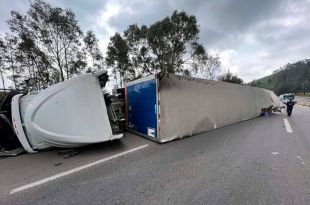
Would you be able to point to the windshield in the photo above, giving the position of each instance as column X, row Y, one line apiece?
column 288, row 97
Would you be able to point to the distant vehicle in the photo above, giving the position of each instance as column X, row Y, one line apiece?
column 286, row 97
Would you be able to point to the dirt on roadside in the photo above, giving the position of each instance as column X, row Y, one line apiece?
column 301, row 100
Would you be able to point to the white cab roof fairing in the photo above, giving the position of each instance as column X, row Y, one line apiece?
column 18, row 125
column 68, row 114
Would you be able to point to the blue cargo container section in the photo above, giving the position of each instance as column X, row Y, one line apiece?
column 141, row 107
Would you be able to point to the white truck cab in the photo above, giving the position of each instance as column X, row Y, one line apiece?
column 72, row 113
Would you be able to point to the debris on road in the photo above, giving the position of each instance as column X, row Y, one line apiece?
column 11, row 153
column 275, row 153
column 58, row 164
column 301, row 160
column 68, row 153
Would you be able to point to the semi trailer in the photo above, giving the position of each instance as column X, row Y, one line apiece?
column 161, row 107
column 164, row 107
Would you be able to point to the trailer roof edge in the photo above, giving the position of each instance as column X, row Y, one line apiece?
column 140, row 80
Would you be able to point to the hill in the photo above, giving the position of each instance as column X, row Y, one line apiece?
column 292, row 78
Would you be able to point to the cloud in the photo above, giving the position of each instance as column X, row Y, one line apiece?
column 252, row 37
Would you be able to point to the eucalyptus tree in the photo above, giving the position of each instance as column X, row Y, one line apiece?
column 117, row 58
column 56, row 36
column 92, row 48
column 170, row 45
column 2, row 63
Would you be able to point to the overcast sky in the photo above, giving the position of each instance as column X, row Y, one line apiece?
column 252, row 38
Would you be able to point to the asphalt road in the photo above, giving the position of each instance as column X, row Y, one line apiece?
column 253, row 162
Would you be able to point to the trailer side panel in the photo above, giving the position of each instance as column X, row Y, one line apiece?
column 190, row 106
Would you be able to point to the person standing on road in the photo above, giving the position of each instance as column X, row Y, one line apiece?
column 289, row 107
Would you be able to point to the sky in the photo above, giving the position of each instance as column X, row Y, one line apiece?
column 252, row 38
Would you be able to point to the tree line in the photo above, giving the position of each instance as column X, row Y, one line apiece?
column 46, row 46
column 170, row 45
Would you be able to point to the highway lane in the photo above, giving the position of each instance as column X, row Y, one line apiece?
column 27, row 168
column 253, row 162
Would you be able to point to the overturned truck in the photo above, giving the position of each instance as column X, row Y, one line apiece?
column 167, row 107
column 68, row 114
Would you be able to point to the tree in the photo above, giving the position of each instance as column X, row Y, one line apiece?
column 2, row 62
column 34, row 63
column 46, row 46
column 10, row 45
column 117, row 57
column 91, row 44
column 55, row 33
column 305, row 86
column 174, row 44
column 230, row 78
column 138, row 51
column 211, row 68
column 167, row 46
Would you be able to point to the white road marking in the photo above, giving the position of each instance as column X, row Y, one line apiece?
column 77, row 169
column 301, row 160
column 287, row 126
column 275, row 153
